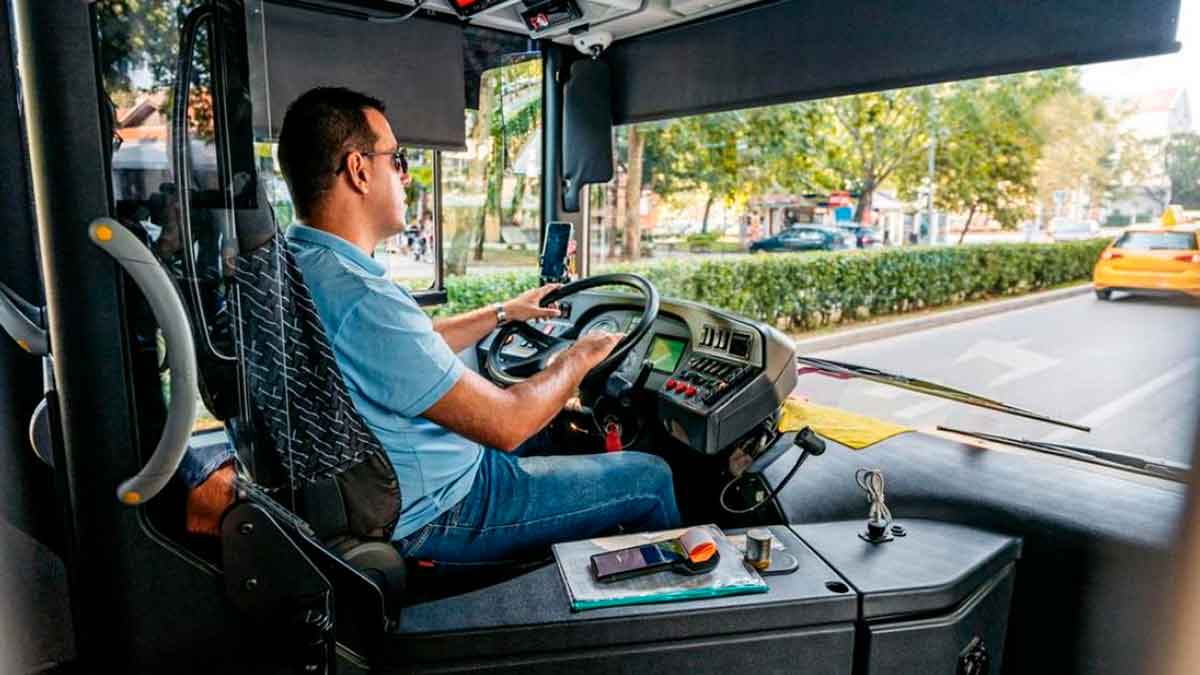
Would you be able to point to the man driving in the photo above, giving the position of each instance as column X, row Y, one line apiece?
column 452, row 436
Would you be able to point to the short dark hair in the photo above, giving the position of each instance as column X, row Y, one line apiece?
column 319, row 128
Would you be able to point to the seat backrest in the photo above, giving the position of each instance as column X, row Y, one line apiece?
column 311, row 433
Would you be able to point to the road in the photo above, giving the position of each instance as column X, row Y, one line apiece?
column 1129, row 368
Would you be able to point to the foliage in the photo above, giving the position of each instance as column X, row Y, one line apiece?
column 508, row 115
column 864, row 139
column 1080, row 147
column 806, row 291
column 988, row 146
column 1183, row 169
column 697, row 153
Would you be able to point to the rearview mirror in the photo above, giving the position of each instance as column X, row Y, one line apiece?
column 587, row 129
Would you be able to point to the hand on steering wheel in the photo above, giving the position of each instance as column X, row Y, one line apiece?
column 508, row 370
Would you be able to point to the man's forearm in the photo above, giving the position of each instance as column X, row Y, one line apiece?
column 463, row 330
column 505, row 418
column 540, row 398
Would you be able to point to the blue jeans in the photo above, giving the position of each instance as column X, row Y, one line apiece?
column 519, row 506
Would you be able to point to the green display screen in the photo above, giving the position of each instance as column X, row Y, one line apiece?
column 665, row 353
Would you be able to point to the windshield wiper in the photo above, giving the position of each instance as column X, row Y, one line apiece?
column 842, row 369
column 1159, row 468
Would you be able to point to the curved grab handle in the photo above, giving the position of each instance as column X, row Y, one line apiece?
column 20, row 320
column 140, row 263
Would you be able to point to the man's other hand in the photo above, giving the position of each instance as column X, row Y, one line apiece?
column 594, row 346
column 207, row 502
column 525, row 306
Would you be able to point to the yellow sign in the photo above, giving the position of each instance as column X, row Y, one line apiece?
column 850, row 429
column 1173, row 216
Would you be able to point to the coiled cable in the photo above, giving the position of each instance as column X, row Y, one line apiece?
column 879, row 517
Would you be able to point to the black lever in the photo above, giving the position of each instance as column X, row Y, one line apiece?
column 617, row 387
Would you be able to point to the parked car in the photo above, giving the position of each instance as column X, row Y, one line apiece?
column 806, row 238
column 863, row 236
column 1149, row 260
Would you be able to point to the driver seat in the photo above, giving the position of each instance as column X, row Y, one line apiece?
column 311, row 448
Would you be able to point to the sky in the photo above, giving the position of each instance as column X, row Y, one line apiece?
column 1140, row 76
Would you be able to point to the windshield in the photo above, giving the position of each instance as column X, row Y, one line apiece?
column 990, row 198
column 1156, row 241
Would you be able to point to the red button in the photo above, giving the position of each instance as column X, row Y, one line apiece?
column 690, row 392
column 671, row 384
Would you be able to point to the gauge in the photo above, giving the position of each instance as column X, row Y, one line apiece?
column 606, row 324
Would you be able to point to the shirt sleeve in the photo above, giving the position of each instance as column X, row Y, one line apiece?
column 388, row 351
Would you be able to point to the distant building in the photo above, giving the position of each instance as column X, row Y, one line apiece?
column 1157, row 114
column 1149, row 117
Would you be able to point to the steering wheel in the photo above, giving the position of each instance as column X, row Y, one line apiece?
column 511, row 370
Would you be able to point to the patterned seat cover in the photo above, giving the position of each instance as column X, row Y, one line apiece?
column 300, row 398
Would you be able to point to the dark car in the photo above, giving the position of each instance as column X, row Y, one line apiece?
column 862, row 236
column 804, row 239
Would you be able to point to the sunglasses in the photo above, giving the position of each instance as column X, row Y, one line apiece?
column 399, row 160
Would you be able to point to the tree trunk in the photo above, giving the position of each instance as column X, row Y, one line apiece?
column 862, row 212
column 633, row 195
column 967, row 226
column 707, row 209
column 488, row 93
column 517, row 197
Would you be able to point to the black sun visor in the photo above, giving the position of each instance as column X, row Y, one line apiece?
column 414, row 67
column 799, row 50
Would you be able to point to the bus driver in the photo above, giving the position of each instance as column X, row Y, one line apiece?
column 452, row 436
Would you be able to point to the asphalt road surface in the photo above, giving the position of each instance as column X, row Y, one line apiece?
column 1129, row 368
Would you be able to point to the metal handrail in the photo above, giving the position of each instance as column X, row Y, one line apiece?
column 137, row 260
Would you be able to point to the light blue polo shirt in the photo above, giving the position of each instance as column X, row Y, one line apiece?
column 395, row 367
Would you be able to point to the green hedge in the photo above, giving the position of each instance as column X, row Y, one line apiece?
column 810, row 290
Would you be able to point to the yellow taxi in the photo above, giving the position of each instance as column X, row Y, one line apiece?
column 1157, row 259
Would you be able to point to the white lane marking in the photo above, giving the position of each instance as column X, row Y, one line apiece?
column 921, row 409
column 1021, row 362
column 1117, row 406
column 884, row 391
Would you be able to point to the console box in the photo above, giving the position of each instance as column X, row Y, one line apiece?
column 910, row 605
column 931, row 600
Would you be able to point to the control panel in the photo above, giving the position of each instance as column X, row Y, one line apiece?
column 704, row 381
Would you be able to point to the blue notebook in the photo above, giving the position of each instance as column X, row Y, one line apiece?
column 730, row 577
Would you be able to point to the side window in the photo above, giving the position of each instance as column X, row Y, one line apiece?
column 138, row 48
column 491, row 206
column 409, row 255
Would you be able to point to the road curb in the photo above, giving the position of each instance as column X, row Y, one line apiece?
column 855, row 336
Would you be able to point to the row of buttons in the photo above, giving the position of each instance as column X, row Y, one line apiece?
column 707, row 379
column 682, row 387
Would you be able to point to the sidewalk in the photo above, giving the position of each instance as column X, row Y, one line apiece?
column 858, row 335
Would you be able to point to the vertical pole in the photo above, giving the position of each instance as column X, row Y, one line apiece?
column 933, row 139
column 552, row 62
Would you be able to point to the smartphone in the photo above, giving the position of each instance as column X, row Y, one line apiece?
column 554, row 252
column 634, row 561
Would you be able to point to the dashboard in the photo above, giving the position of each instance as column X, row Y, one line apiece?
column 713, row 376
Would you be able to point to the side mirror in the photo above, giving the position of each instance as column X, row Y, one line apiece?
column 587, row 129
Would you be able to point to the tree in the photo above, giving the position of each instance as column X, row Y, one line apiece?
column 509, row 109
column 698, row 153
column 988, row 147
column 1079, row 152
column 861, row 141
column 1183, row 169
